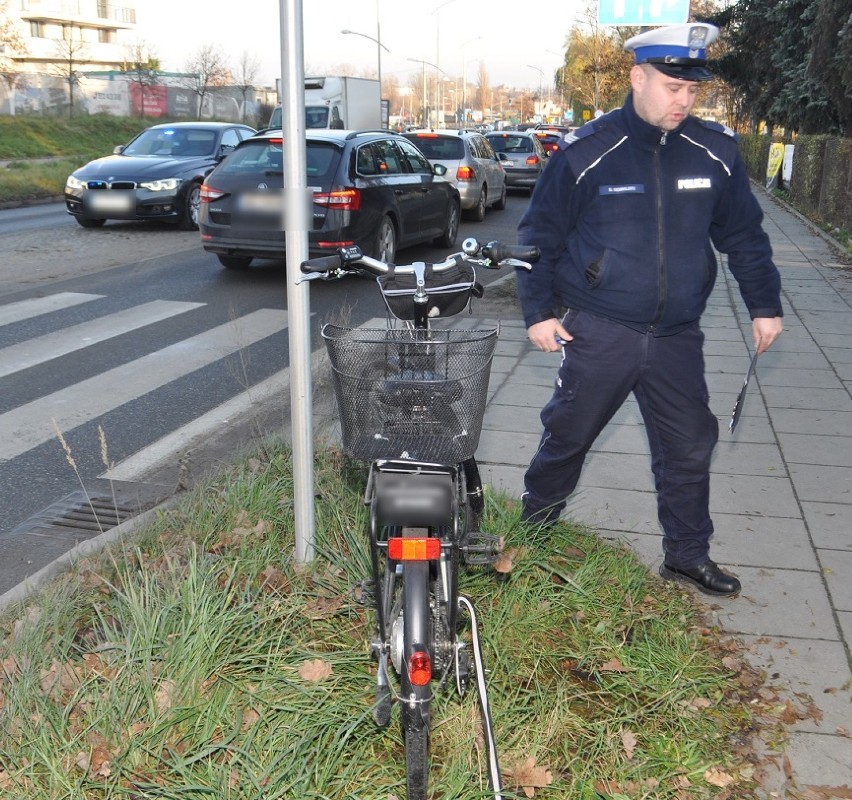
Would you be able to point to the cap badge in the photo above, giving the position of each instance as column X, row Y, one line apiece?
column 697, row 40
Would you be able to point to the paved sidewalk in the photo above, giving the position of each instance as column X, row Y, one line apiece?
column 781, row 484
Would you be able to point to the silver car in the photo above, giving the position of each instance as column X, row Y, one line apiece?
column 522, row 155
column 472, row 167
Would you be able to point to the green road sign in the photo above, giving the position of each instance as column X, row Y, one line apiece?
column 643, row 12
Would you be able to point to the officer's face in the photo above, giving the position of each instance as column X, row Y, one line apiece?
column 659, row 99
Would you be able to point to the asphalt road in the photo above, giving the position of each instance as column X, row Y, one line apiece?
column 132, row 362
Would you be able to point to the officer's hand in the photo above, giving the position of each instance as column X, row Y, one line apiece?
column 548, row 335
column 765, row 331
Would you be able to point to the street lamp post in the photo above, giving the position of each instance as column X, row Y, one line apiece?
column 379, row 49
column 423, row 120
column 438, row 57
column 464, row 77
column 540, row 81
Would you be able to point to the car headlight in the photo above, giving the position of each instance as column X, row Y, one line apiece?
column 74, row 183
column 163, row 185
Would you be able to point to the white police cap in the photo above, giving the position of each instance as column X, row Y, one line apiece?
column 676, row 50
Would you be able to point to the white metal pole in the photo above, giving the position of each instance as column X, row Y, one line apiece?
column 297, row 209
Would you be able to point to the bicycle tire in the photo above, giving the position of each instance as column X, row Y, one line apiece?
column 417, row 763
column 474, row 500
column 415, row 701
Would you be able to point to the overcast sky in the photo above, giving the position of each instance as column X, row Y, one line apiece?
column 429, row 30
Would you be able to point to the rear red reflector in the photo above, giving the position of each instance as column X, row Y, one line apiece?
column 334, row 245
column 419, row 669
column 465, row 174
column 404, row 549
column 342, row 199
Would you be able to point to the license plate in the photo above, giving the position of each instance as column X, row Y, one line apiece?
column 261, row 202
column 111, row 201
column 508, row 163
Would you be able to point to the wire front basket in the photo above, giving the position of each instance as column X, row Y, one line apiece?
column 404, row 393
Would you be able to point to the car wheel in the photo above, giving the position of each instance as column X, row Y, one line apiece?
column 384, row 245
column 451, row 231
column 501, row 203
column 86, row 222
column 477, row 214
column 234, row 262
column 191, row 204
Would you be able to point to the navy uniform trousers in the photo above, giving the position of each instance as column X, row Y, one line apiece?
column 603, row 364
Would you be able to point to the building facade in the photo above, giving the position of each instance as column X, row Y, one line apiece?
column 88, row 34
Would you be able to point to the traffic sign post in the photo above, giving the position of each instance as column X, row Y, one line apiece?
column 643, row 12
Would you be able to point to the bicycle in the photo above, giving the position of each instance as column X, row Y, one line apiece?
column 411, row 402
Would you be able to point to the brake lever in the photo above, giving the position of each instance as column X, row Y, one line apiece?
column 516, row 262
column 310, row 276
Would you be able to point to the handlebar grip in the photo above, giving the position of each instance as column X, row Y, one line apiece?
column 321, row 264
column 497, row 251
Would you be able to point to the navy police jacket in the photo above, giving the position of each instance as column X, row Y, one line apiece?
column 626, row 217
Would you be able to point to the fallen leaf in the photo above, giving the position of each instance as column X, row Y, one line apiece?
column 530, row 777
column 628, row 742
column 314, row 670
column 503, row 564
column 250, row 718
column 831, row 792
column 613, row 665
column 273, row 579
column 9, row 667
column 164, row 698
column 717, row 777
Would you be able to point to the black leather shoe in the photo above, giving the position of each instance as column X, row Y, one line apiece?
column 706, row 577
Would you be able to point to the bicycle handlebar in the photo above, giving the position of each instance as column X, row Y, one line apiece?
column 492, row 255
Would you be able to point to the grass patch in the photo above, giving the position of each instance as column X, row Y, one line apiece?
column 72, row 142
column 25, row 181
column 174, row 666
column 40, row 137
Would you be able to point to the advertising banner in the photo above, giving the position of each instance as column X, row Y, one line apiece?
column 149, row 101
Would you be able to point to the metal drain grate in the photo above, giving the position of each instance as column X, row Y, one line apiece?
column 80, row 513
column 85, row 514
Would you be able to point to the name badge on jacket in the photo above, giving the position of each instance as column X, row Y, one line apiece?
column 624, row 188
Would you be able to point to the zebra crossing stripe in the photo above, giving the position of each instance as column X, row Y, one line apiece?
column 53, row 345
column 31, row 425
column 217, row 420
column 27, row 309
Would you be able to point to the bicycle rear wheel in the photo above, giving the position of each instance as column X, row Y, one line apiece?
column 416, row 695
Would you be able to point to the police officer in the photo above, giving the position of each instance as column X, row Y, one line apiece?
column 626, row 215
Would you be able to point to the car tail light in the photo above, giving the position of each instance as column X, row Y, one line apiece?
column 276, row 141
column 209, row 194
column 426, row 135
column 532, row 160
column 465, row 174
column 411, row 549
column 419, row 668
column 340, row 199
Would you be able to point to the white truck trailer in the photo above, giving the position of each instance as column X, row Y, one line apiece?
column 333, row 101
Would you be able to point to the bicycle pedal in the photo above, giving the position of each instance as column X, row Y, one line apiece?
column 481, row 549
